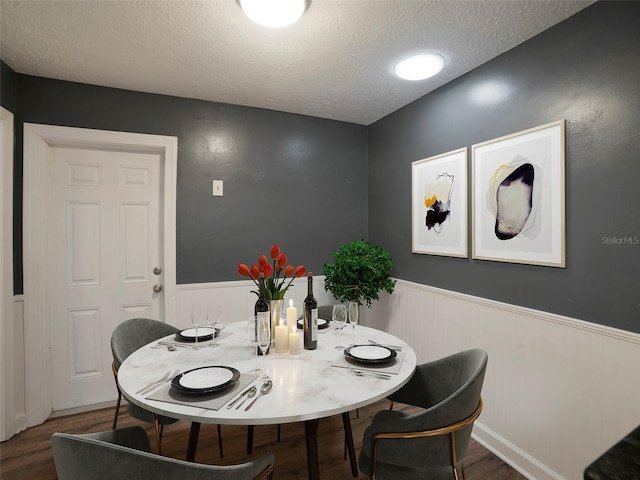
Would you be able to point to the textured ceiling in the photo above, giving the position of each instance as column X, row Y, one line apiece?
column 336, row 62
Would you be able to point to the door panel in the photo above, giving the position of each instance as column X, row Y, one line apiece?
column 83, row 243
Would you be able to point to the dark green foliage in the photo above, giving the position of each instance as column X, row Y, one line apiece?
column 360, row 270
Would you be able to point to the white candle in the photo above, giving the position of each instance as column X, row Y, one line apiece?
column 282, row 340
column 292, row 316
column 294, row 343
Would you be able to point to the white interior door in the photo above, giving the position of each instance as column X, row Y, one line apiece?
column 105, row 242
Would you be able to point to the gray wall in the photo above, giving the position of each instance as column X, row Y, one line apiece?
column 297, row 181
column 7, row 87
column 585, row 70
column 302, row 182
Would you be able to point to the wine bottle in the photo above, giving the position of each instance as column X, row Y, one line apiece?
column 261, row 308
column 310, row 317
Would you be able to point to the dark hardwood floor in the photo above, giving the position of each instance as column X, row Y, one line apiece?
column 28, row 454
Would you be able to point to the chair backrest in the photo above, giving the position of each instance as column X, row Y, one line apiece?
column 449, row 390
column 455, row 384
column 134, row 333
column 324, row 311
column 90, row 456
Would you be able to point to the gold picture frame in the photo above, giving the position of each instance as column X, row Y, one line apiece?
column 518, row 194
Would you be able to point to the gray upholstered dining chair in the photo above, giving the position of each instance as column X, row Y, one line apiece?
column 432, row 442
column 126, row 453
column 126, row 338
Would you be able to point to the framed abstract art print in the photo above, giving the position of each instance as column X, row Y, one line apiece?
column 439, row 204
column 519, row 197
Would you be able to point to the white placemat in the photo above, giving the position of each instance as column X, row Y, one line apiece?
column 394, row 368
column 211, row 401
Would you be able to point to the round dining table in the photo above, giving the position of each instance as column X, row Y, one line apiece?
column 307, row 386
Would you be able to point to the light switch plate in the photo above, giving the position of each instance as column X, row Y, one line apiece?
column 217, row 188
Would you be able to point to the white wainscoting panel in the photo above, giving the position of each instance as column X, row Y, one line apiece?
column 558, row 392
column 14, row 374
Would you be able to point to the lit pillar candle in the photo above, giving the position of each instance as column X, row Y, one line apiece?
column 294, row 343
column 292, row 316
column 282, row 338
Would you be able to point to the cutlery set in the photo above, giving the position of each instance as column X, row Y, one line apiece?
column 250, row 393
column 264, row 389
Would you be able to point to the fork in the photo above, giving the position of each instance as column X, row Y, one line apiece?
column 167, row 378
column 361, row 373
column 392, row 347
column 151, row 384
column 175, row 344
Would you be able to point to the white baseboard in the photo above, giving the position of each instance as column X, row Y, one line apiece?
column 512, row 455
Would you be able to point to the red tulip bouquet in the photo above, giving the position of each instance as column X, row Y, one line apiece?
column 276, row 275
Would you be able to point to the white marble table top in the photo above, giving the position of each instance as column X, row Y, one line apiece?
column 305, row 386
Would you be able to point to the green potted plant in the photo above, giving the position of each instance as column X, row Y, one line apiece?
column 359, row 272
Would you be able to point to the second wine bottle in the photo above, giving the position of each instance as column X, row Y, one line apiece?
column 310, row 317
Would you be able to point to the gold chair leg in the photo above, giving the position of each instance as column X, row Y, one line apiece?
column 117, row 412
column 454, row 455
column 159, row 428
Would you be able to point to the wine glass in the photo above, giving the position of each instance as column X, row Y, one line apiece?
column 196, row 319
column 354, row 315
column 339, row 317
column 252, row 334
column 214, row 317
column 264, row 338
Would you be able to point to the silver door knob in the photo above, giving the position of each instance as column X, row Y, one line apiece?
column 157, row 271
column 157, row 288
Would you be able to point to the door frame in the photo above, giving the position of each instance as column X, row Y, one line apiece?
column 37, row 334
column 7, row 320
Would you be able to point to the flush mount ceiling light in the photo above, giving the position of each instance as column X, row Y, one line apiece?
column 419, row 67
column 274, row 13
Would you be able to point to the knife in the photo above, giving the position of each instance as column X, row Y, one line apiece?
column 392, row 347
column 237, row 399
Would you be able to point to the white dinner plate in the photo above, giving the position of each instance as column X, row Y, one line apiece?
column 205, row 379
column 322, row 323
column 191, row 332
column 204, row 334
column 370, row 352
column 373, row 355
